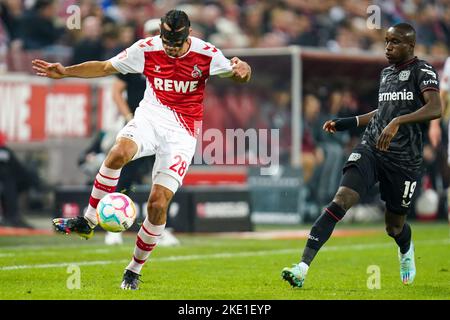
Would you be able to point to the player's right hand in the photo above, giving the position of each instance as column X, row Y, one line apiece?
column 49, row 70
column 329, row 126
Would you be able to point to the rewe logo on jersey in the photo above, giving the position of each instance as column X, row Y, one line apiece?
column 394, row 96
column 175, row 85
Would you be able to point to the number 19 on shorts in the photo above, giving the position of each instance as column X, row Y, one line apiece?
column 409, row 189
column 408, row 193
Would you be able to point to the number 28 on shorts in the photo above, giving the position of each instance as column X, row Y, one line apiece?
column 179, row 166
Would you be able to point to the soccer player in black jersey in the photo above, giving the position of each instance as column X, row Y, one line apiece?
column 390, row 151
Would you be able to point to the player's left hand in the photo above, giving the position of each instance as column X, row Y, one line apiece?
column 49, row 70
column 385, row 138
column 241, row 70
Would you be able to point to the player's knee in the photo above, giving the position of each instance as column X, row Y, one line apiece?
column 118, row 157
column 346, row 198
column 393, row 230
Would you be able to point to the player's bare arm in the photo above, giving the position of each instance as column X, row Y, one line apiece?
column 119, row 86
column 431, row 110
column 435, row 132
column 341, row 124
column 89, row 69
column 241, row 70
column 444, row 100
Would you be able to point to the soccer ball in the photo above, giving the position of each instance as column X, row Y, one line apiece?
column 116, row 212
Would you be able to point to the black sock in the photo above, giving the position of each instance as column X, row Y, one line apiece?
column 321, row 231
column 403, row 239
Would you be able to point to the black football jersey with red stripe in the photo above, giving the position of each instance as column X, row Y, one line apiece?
column 401, row 92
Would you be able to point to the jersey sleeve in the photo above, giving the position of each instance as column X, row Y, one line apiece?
column 427, row 78
column 445, row 82
column 130, row 60
column 220, row 65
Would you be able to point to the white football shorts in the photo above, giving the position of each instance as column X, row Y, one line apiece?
column 174, row 147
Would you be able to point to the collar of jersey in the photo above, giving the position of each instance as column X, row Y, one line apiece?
column 184, row 55
column 404, row 64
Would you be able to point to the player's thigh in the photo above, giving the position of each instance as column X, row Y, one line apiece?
column 142, row 133
column 397, row 189
column 173, row 160
column 360, row 171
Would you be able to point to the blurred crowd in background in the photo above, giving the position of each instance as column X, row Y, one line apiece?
column 106, row 25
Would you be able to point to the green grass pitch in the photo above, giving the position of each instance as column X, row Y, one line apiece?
column 219, row 268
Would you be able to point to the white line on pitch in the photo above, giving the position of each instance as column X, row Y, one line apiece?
column 218, row 255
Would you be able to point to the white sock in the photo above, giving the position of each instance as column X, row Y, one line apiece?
column 146, row 240
column 303, row 266
column 105, row 182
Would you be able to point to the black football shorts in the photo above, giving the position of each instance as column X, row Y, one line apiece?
column 396, row 185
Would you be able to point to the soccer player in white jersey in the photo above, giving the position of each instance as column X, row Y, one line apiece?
column 177, row 67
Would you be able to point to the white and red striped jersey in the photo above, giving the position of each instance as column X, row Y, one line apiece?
column 175, row 86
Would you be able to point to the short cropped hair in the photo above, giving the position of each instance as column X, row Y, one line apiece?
column 176, row 19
